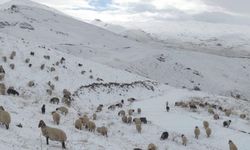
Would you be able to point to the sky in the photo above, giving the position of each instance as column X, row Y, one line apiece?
column 216, row 11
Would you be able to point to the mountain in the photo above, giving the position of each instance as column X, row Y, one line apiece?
column 54, row 52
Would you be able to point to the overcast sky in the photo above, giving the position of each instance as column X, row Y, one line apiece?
column 143, row 10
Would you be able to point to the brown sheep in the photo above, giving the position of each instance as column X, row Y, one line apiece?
column 2, row 89
column 208, row 131
column 210, row 110
column 53, row 134
column 125, row 119
column 63, row 110
column 232, row 146
column 151, row 146
column 228, row 112
column 196, row 132
column 138, row 127
column 56, row 117
column 84, row 120
column 205, row 124
column 184, row 140
column 78, row 124
column 90, row 126
column 103, row 130
column 129, row 119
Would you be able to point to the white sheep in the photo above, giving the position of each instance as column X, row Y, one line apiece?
column 63, row 110
column 53, row 134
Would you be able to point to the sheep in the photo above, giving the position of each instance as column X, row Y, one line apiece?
column 54, row 100
column 129, row 120
column 32, row 53
column 184, row 140
column 119, row 105
column 12, row 66
column 53, row 134
column 144, row 120
column 111, row 107
column 94, row 116
column 205, row 124
column 138, row 127
column 232, row 146
column 1, row 108
column 139, row 110
column 130, row 111
column 12, row 91
column 84, row 120
column 227, row 123
column 2, row 89
column 42, row 66
column 131, row 99
column 78, row 124
column 103, row 130
column 151, row 146
column 27, row 60
column 243, row 116
column 56, row 117
column 164, row 135
column 49, row 92
column 210, row 110
column 43, row 109
column 124, row 119
column 5, row 118
column 137, row 120
column 66, row 93
column 216, row 117
column 99, row 108
column 52, row 69
column 228, row 112
column 12, row 55
column 90, row 126
column 196, row 132
column 63, row 110
column 121, row 113
column 31, row 83
column 208, row 131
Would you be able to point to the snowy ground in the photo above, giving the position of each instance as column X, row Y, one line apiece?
column 151, row 96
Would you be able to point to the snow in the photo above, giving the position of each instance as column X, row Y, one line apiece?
column 128, row 68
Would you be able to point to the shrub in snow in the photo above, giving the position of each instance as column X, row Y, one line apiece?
column 57, row 63
column 32, row 53
column 27, row 60
column 42, row 66
column 46, row 57
column 82, row 72
column 31, row 83
column 25, row 25
column 62, row 60
column 196, row 88
column 56, row 78
column 52, row 69
column 49, row 91
column 30, row 65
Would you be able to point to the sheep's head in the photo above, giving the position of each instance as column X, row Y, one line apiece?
column 41, row 124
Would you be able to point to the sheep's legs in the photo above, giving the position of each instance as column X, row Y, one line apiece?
column 7, row 126
column 63, row 145
column 47, row 140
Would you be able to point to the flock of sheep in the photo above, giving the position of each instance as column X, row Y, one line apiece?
column 55, row 134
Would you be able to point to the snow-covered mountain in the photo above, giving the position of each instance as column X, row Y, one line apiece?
column 101, row 67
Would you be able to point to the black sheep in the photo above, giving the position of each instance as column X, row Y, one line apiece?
column 226, row 123
column 144, row 120
column 164, row 136
column 54, row 100
column 12, row 91
column 43, row 109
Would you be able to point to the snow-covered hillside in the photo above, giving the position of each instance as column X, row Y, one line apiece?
column 101, row 67
column 43, row 27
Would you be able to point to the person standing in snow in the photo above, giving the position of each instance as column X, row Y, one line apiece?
column 167, row 107
column 43, row 109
